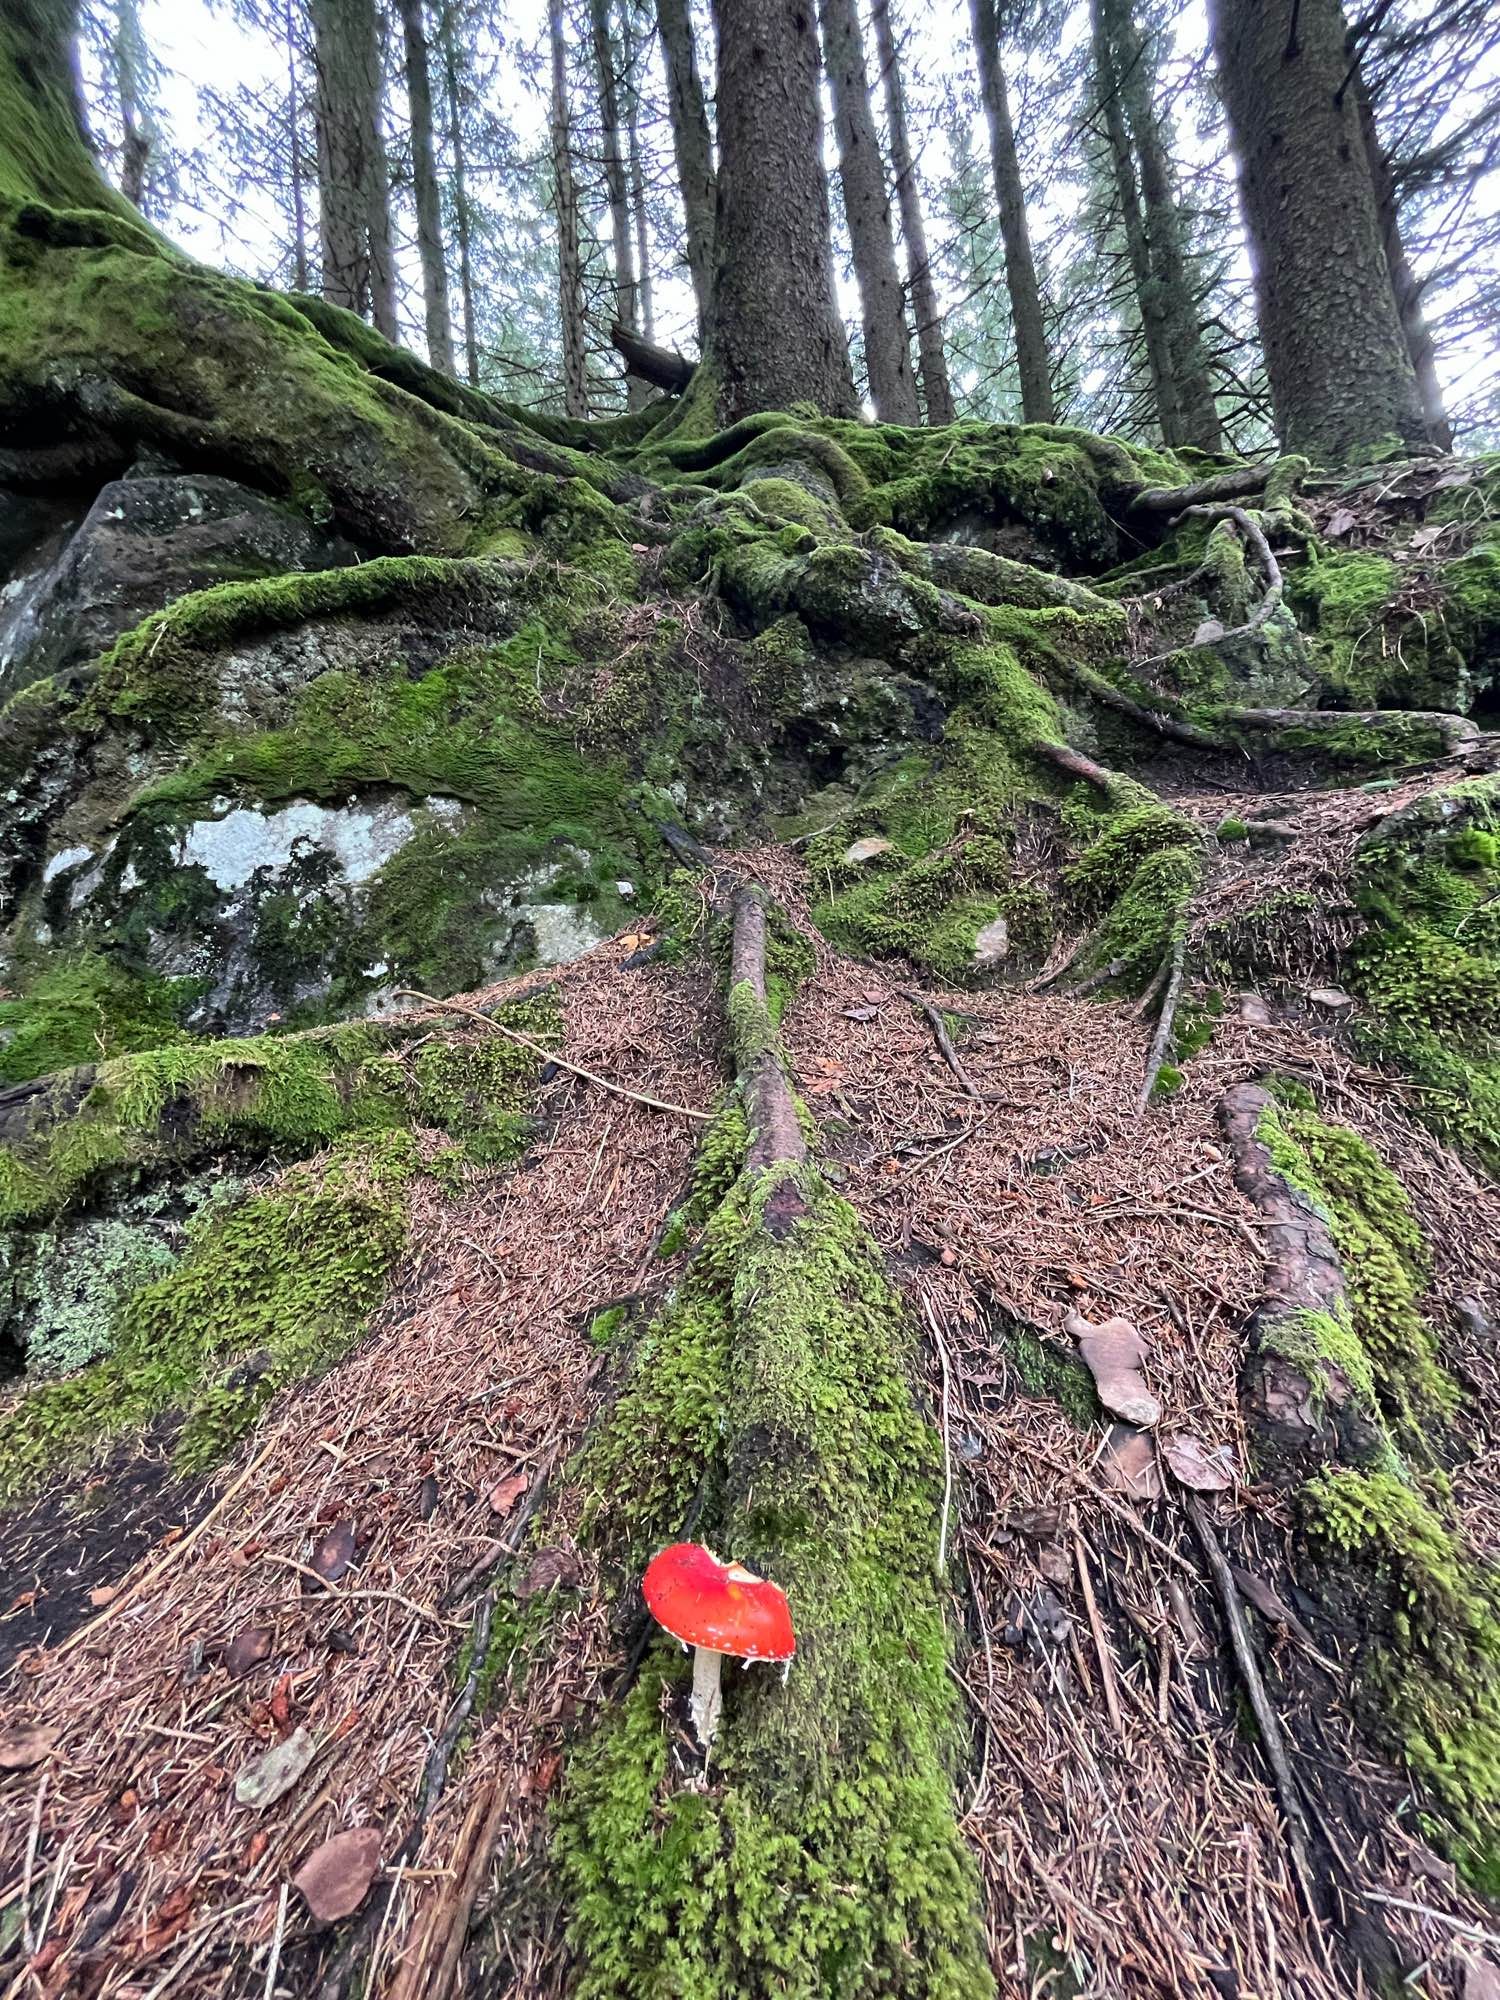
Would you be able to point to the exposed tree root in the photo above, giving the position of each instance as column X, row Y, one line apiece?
column 1161, row 1041
column 1235, row 485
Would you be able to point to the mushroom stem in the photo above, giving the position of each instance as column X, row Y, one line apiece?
column 707, row 1698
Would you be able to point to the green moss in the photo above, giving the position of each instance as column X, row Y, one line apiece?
column 1232, row 829
column 1436, row 1680
column 480, row 1088
column 1389, row 1352
column 264, row 1295
column 1053, row 1374
column 85, row 1007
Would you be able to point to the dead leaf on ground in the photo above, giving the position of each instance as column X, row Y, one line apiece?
column 504, row 1496
column 335, row 1878
column 269, row 1777
column 556, row 1567
column 1129, row 1463
column 1340, row 522
column 1481, row 1979
column 23, row 1744
column 861, row 1013
column 335, row 1552
column 866, row 849
column 1054, row 1563
column 427, row 1499
column 247, row 1649
column 102, row 1594
column 1112, row 1352
column 1205, row 1468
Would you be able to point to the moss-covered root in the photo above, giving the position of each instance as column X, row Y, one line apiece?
column 821, row 1859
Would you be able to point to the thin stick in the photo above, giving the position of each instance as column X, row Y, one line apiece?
column 276, row 1937
column 177, row 1550
column 468, row 1894
column 1117, row 1508
column 1096, row 1626
column 1162, row 1039
column 943, row 1039
column 1476, row 1931
column 550, row 1055
column 942, row 1547
column 32, row 1838
column 1299, row 1837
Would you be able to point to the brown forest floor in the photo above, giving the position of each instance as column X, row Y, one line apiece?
column 1113, row 1800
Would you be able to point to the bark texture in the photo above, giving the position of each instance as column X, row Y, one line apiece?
column 775, row 336
column 1404, row 281
column 1341, row 378
column 932, row 360
column 621, row 234
column 868, row 212
column 294, row 148
column 691, row 144
column 462, row 219
column 425, row 189
column 1032, row 361
column 1195, row 415
column 353, row 180
column 565, row 197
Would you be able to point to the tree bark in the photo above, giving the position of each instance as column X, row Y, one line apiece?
column 1196, row 415
column 868, row 212
column 135, row 139
column 1032, row 361
column 462, row 219
column 932, row 361
column 353, row 183
column 425, row 189
column 645, row 306
column 1404, row 281
column 692, row 145
column 565, row 197
column 1341, row 378
column 775, row 336
column 1137, row 250
column 601, row 34
column 294, row 149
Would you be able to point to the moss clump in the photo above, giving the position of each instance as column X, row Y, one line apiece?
column 1388, row 1351
column 1232, row 829
column 1428, row 887
column 1437, row 1680
column 1051, row 1373
column 84, row 1007
column 274, row 1290
column 479, row 1088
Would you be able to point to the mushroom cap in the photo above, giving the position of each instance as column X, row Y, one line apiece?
column 705, row 1602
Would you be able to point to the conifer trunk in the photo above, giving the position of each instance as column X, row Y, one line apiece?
column 294, row 150
column 600, row 28
column 1404, row 281
column 775, row 336
column 425, row 188
column 1138, row 254
column 692, row 146
column 462, row 220
column 868, row 212
column 1196, row 415
column 135, row 141
column 932, row 361
column 354, row 186
column 1032, row 361
column 645, row 304
column 1341, row 378
column 565, row 196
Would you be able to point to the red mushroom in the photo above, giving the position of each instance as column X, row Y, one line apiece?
column 716, row 1608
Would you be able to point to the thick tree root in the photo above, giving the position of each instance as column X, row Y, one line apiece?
column 1301, row 1405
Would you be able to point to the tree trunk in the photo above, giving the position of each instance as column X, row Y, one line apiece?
column 1127, row 193
column 353, row 183
column 932, row 362
column 1404, row 281
column 425, row 188
column 1032, row 361
column 1341, row 378
column 294, row 150
column 1196, row 414
column 565, row 199
column 462, row 218
column 135, row 140
column 868, row 211
column 623, row 245
column 692, row 145
column 775, row 336
column 645, row 305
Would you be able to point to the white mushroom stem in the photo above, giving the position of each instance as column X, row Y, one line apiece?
column 707, row 1696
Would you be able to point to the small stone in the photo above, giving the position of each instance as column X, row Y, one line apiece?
column 1254, row 1010
column 992, row 943
column 867, row 849
column 1334, row 998
column 1208, row 633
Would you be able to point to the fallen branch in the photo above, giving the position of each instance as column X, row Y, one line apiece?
column 1161, row 1041
column 660, row 366
column 943, row 1039
column 551, row 1055
column 1299, row 1834
column 1077, row 765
